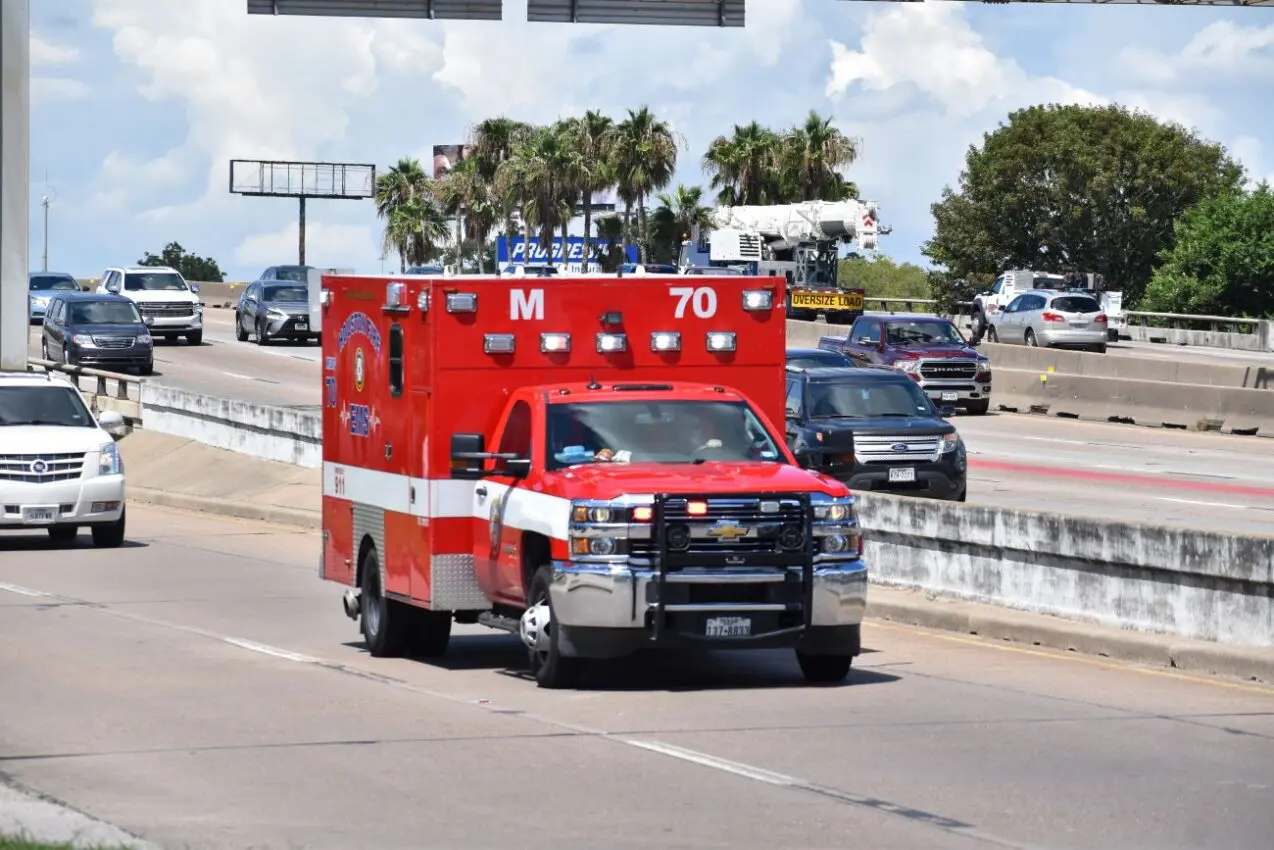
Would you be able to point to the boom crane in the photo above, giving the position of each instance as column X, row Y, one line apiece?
column 798, row 241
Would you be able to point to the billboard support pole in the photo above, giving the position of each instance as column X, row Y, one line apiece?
column 15, row 163
column 300, row 230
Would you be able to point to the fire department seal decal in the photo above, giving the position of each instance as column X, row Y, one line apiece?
column 497, row 521
column 360, row 369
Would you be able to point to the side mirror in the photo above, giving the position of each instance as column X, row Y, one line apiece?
column 467, row 454
column 113, row 286
column 194, row 287
column 790, row 413
column 112, row 423
column 946, row 411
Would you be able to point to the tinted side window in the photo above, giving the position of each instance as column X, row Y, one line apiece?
column 793, row 401
column 396, row 360
column 1076, row 304
column 517, row 431
column 866, row 333
column 1015, row 304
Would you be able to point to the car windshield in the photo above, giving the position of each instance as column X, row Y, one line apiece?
column 922, row 332
column 153, row 282
column 103, row 313
column 656, row 432
column 53, row 283
column 867, row 400
column 1076, row 304
column 299, row 274
column 44, row 405
column 285, row 293
column 817, row 361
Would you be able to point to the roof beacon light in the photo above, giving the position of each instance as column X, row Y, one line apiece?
column 555, row 343
column 422, row 301
column 758, row 299
column 395, row 294
column 721, row 341
column 611, row 343
column 325, row 297
column 497, row 343
column 462, row 302
column 665, row 341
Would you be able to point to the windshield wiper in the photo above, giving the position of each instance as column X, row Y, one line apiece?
column 36, row 422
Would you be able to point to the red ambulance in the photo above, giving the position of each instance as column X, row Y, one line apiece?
column 589, row 462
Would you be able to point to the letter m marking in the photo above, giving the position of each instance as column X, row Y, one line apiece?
column 526, row 305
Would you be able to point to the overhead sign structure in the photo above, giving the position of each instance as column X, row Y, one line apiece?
column 669, row 13
column 569, row 256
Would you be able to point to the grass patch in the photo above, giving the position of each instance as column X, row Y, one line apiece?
column 15, row 842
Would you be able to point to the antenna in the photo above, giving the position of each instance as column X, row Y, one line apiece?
column 592, row 382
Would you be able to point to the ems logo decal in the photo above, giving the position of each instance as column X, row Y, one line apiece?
column 358, row 324
column 360, row 370
column 497, row 521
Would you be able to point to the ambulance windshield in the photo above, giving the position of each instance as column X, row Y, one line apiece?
column 656, row 432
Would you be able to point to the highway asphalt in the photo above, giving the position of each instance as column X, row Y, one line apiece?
column 202, row 688
column 1210, row 481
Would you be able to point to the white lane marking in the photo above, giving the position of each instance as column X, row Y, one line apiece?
column 1201, row 504
column 240, row 377
column 705, row 760
column 274, row 651
column 26, row 591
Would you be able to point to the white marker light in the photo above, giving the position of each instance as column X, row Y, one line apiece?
column 422, row 302
column 611, row 343
column 665, row 341
column 555, row 343
column 462, row 302
column 497, row 343
column 721, row 341
column 325, row 298
column 395, row 294
column 758, row 299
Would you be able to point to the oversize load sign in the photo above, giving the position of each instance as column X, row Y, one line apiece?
column 849, row 299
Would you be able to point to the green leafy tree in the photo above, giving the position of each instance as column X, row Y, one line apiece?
column 191, row 266
column 881, row 277
column 1075, row 188
column 1222, row 260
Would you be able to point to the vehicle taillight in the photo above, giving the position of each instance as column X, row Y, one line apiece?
column 1054, row 317
column 1101, row 319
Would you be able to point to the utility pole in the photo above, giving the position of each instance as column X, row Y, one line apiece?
column 44, row 259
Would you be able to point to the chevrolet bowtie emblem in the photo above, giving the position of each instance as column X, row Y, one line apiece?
column 728, row 531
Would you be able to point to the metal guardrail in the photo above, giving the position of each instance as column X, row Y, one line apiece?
column 1214, row 323
column 101, row 397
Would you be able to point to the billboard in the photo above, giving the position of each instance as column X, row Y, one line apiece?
column 571, row 256
column 446, row 156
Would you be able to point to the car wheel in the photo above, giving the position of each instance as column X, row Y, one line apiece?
column 44, row 349
column 1100, row 348
column 1030, row 338
column 239, row 333
column 550, row 668
column 194, row 338
column 148, row 369
column 824, row 669
column 384, row 621
column 110, row 535
column 261, row 335
column 991, row 335
column 63, row 535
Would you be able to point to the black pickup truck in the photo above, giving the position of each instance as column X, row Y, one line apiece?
column 874, row 429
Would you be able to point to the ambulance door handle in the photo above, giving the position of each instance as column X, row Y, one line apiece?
column 482, row 492
column 389, row 450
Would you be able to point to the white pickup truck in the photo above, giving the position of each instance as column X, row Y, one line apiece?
column 1012, row 283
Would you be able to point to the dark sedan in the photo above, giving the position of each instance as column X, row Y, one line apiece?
column 273, row 310
column 816, row 358
column 98, row 330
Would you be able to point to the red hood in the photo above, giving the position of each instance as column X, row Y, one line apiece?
column 607, row 481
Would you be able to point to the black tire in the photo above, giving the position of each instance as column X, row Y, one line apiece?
column 194, row 338
column 431, row 633
column 261, row 335
column 63, row 535
column 110, row 535
column 44, row 349
column 382, row 621
column 824, row 669
column 1100, row 348
column 239, row 333
column 550, row 668
column 1030, row 339
column 148, row 369
column 978, row 408
column 991, row 335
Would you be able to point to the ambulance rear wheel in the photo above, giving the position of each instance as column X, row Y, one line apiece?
column 383, row 622
column 430, row 633
column 550, row 668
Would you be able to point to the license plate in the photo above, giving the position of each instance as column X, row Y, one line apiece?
column 302, row 326
column 728, row 627
column 828, row 300
column 902, row 474
column 1079, row 324
column 950, row 396
column 39, row 514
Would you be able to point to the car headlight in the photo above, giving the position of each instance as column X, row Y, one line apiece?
column 82, row 339
column 601, row 530
column 908, row 365
column 108, row 461
column 276, row 313
column 836, row 527
column 144, row 339
column 833, row 510
column 950, row 442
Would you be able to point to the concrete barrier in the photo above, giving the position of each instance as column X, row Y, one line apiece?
column 1182, row 582
column 1093, row 365
column 1192, row 407
column 285, row 434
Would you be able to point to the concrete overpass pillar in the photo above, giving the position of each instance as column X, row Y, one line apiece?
column 15, row 164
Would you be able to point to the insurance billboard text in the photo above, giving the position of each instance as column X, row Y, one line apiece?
column 571, row 256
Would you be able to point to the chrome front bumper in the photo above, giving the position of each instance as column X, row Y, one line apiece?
column 83, row 501
column 616, row 596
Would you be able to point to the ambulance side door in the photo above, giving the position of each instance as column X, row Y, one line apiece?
column 498, row 553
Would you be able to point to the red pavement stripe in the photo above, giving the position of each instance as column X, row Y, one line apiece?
column 1152, row 481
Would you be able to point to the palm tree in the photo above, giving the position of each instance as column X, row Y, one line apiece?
column 541, row 172
column 645, row 158
column 676, row 219
column 413, row 219
column 464, row 194
column 593, row 136
column 745, row 167
column 812, row 156
column 491, row 144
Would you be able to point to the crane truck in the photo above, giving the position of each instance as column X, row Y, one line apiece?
column 800, row 242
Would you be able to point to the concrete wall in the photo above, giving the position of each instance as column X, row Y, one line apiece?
column 1182, row 582
column 1261, row 340
column 288, row 435
column 1091, row 364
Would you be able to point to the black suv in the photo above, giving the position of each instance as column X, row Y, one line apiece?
column 99, row 330
column 874, row 429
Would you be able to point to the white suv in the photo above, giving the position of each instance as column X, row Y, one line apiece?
column 170, row 307
column 59, row 467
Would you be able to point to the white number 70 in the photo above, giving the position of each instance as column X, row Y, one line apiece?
column 702, row 300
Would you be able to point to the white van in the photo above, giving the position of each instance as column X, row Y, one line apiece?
column 169, row 305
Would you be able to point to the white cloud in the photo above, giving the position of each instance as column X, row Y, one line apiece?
column 45, row 89
column 1220, row 50
column 326, row 245
column 44, row 53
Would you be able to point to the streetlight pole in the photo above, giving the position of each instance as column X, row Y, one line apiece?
column 44, row 259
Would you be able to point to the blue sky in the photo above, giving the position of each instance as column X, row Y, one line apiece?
column 137, row 105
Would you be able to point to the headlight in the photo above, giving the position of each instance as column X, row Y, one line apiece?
column 108, row 462
column 834, row 510
column 950, row 442
column 908, row 365
column 585, row 513
column 602, row 530
column 276, row 313
column 82, row 339
column 144, row 339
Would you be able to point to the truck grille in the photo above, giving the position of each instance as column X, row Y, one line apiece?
column 749, row 247
column 732, row 525
column 41, row 468
column 162, row 310
column 959, row 370
column 892, row 448
column 113, row 341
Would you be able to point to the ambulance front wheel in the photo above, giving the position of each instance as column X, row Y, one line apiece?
column 550, row 668
column 383, row 622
